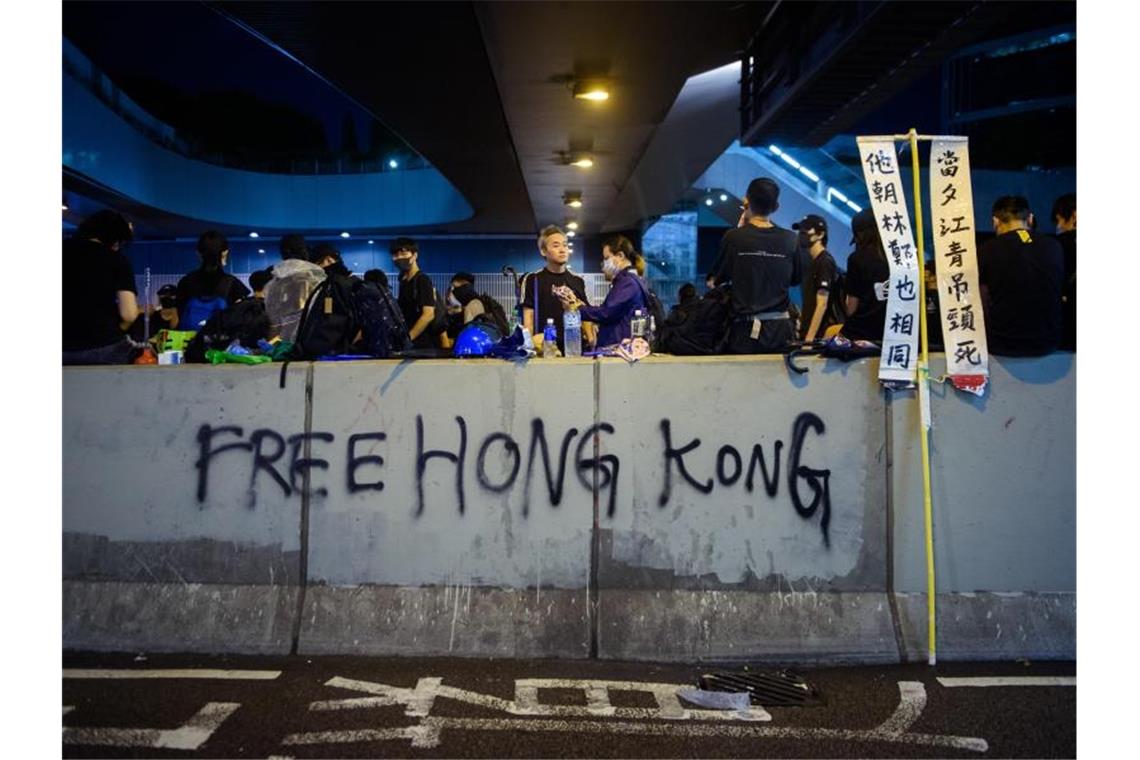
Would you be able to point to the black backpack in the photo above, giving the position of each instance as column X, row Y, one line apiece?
column 493, row 309
column 699, row 327
column 246, row 321
column 342, row 308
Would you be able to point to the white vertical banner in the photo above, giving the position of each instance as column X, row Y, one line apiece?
column 955, row 254
column 899, row 361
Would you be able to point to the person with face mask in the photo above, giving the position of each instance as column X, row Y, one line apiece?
column 822, row 276
column 417, row 294
column 627, row 293
column 463, row 303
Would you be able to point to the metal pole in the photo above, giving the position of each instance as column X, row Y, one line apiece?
column 924, row 403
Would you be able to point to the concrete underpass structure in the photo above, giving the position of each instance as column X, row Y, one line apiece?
column 674, row 509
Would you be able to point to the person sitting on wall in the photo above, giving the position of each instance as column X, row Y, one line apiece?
column 627, row 293
column 1065, row 219
column 99, row 294
column 1021, row 275
column 761, row 261
column 538, row 299
column 417, row 294
column 163, row 318
column 210, row 280
column 868, row 280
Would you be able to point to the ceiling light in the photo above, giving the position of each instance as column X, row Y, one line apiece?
column 392, row 164
column 254, row 235
column 371, row 242
column 571, row 234
column 65, row 207
column 345, row 235
column 708, row 201
column 723, row 197
column 591, row 90
column 571, row 225
column 261, row 250
column 582, row 162
column 573, row 200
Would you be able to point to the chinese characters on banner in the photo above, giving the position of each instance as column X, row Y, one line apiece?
column 952, row 214
column 905, row 296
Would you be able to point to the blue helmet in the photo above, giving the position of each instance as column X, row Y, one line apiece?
column 477, row 339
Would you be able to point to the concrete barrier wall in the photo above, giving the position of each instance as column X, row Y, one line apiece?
column 679, row 508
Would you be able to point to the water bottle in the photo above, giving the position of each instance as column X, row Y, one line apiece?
column 572, row 333
column 651, row 331
column 549, row 340
column 637, row 325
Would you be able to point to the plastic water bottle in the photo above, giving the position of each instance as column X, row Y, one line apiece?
column 637, row 325
column 572, row 333
column 549, row 340
column 651, row 331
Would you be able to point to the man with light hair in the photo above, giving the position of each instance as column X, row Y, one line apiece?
column 538, row 298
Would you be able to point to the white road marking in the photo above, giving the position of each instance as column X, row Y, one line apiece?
column 951, row 683
column 190, row 735
column 894, row 730
column 233, row 675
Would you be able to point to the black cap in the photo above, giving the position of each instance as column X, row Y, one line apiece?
column 812, row 222
column 862, row 221
column 168, row 290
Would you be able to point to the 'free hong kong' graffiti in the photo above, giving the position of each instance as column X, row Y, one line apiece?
column 498, row 464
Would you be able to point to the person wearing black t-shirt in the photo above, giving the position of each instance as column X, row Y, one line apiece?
column 761, row 261
column 1020, row 275
column 539, row 285
column 1065, row 218
column 867, row 283
column 99, row 295
column 822, row 276
column 417, row 294
column 211, row 280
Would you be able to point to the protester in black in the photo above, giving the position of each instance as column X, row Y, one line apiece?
column 867, row 282
column 761, row 261
column 1020, row 275
column 210, row 279
column 823, row 275
column 538, row 298
column 258, row 280
column 1065, row 218
column 164, row 318
column 98, row 292
column 417, row 294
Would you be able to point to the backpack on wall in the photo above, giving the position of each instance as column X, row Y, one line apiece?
column 699, row 327
column 495, row 310
column 346, row 315
column 245, row 322
column 383, row 331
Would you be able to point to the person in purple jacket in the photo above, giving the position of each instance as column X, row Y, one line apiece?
column 627, row 293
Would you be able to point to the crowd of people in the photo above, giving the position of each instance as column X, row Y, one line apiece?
column 1028, row 283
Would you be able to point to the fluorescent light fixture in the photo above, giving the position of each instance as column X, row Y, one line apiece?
column 371, row 242
column 591, row 90
column 571, row 225
column 65, row 207
column 723, row 197
column 254, row 235
column 582, row 162
column 793, row 162
column 854, row 207
column 571, row 233
column 345, row 235
column 392, row 164
column 775, row 150
column 708, row 201
column 573, row 200
column 809, row 174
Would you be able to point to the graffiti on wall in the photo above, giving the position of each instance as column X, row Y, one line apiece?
column 497, row 464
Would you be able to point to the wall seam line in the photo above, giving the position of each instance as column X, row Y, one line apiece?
column 595, row 533
column 892, row 601
column 303, row 579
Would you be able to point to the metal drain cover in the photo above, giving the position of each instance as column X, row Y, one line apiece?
column 780, row 689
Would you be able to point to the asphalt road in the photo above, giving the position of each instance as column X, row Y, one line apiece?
column 298, row 707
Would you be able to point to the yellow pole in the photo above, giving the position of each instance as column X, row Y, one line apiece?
column 924, row 402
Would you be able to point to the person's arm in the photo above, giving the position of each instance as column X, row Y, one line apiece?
column 427, row 314
column 816, row 315
column 614, row 307
column 528, row 319
column 852, row 305
column 128, row 308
